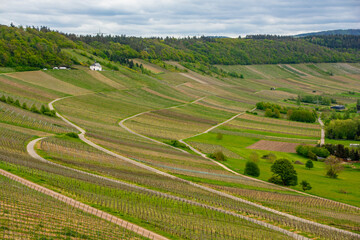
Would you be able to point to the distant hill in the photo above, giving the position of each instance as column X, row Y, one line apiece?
column 41, row 47
column 355, row 32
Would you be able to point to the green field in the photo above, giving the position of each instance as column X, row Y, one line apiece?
column 165, row 107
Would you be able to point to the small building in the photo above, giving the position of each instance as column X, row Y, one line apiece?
column 96, row 67
column 338, row 107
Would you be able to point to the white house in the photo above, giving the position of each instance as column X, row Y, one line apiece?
column 96, row 67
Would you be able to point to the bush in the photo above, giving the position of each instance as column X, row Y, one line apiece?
column 24, row 106
column 219, row 156
column 284, row 170
column 270, row 157
column 9, row 100
column 3, row 99
column 17, row 103
column 34, row 109
column 252, row 169
column 219, row 136
column 333, row 166
column 72, row 135
column 302, row 115
column 305, row 185
column 176, row 143
column 309, row 164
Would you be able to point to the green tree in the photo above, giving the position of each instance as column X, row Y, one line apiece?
column 24, row 106
column 309, row 164
column 34, row 109
column 333, row 166
column 284, row 171
column 305, row 185
column 3, row 98
column 17, row 103
column 252, row 169
column 218, row 155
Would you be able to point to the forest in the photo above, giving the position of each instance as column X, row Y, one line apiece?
column 41, row 47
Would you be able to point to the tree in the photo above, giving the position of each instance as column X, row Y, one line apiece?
column 309, row 164
column 34, row 109
column 284, row 171
column 305, row 185
column 252, row 169
column 333, row 166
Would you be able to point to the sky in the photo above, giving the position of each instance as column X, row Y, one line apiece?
column 183, row 18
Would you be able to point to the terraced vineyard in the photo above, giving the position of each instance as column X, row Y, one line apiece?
column 141, row 155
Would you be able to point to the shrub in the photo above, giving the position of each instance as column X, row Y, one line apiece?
column 333, row 166
column 176, row 143
column 284, row 170
column 34, row 109
column 309, row 164
column 219, row 156
column 270, row 157
column 17, row 103
column 24, row 106
column 3, row 99
column 305, row 185
column 9, row 100
column 72, row 135
column 219, row 136
column 252, row 169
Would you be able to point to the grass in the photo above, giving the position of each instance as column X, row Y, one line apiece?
column 322, row 185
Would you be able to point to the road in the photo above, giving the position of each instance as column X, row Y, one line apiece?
column 83, row 138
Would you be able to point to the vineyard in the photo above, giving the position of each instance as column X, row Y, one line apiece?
column 133, row 171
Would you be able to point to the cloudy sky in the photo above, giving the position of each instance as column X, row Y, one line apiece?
column 183, row 17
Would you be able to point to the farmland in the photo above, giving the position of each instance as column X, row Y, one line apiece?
column 133, row 166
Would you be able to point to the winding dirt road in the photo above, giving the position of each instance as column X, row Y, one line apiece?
column 82, row 137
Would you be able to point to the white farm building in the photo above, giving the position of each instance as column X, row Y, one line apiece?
column 96, row 67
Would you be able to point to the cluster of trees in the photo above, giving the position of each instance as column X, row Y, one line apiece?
column 43, row 110
column 274, row 110
column 344, row 129
column 41, row 47
column 302, row 115
column 340, row 151
column 337, row 150
column 271, row 106
column 22, row 48
column 316, row 99
column 340, row 42
column 312, row 152
column 252, row 50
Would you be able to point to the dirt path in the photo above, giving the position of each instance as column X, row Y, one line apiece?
column 32, row 152
column 122, row 124
column 322, row 140
column 84, row 207
column 82, row 137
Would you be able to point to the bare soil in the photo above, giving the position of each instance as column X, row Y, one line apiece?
column 274, row 146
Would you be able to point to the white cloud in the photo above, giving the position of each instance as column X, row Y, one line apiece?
column 183, row 17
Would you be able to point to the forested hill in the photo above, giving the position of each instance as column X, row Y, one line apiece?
column 354, row 32
column 40, row 47
column 28, row 47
